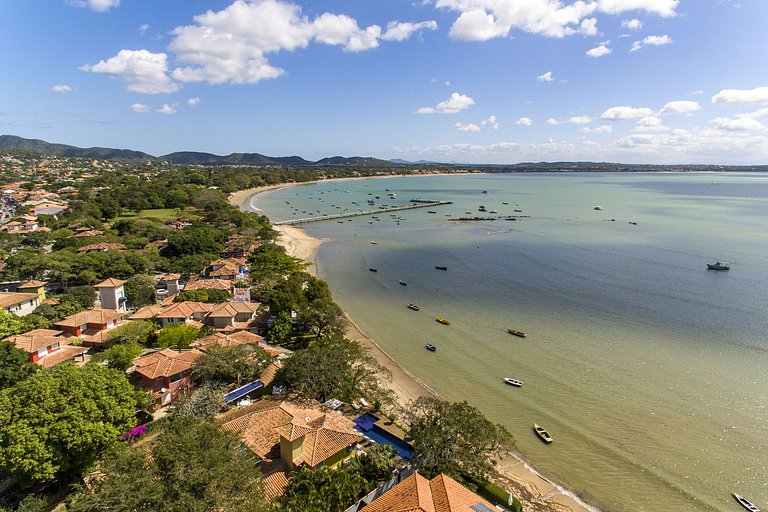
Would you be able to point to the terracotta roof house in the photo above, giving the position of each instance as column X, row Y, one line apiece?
column 147, row 312
column 20, row 304
column 184, row 312
column 233, row 315
column 195, row 283
column 166, row 373
column 46, row 347
column 441, row 494
column 238, row 247
column 225, row 268
column 229, row 340
column 288, row 435
column 90, row 323
column 101, row 247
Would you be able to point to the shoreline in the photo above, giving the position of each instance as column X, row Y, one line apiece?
column 536, row 493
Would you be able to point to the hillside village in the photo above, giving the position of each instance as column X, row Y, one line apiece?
column 151, row 331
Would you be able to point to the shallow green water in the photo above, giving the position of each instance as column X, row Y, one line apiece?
column 648, row 370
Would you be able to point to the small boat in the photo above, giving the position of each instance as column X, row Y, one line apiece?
column 598, row 208
column 493, row 211
column 720, row 265
column 430, row 347
column 513, row 382
column 373, row 269
column 440, row 267
column 374, row 242
column 413, row 307
column 504, row 203
column 443, row 320
column 517, row 333
column 431, row 211
column 484, row 192
column 403, row 282
column 542, row 433
column 746, row 503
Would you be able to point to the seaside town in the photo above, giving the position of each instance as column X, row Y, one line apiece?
column 161, row 350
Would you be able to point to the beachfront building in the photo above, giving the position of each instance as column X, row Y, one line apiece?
column 167, row 374
column 418, row 494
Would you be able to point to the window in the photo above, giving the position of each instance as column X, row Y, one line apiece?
column 175, row 378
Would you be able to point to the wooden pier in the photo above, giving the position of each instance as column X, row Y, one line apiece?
column 415, row 203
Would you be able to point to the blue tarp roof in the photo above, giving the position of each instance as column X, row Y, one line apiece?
column 243, row 390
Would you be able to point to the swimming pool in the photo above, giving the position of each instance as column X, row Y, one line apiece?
column 365, row 425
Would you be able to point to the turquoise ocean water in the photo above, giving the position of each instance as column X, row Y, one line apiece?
column 650, row 372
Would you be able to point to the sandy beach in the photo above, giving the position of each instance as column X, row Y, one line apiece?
column 535, row 492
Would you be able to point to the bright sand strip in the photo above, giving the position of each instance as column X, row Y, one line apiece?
column 535, row 492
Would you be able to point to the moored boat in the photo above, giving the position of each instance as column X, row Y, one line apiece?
column 430, row 347
column 413, row 307
column 517, row 333
column 513, row 382
column 440, row 267
column 404, row 283
column 746, row 503
column 720, row 265
column 374, row 242
column 373, row 269
column 542, row 433
column 443, row 320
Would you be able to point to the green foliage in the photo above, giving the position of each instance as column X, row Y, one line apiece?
column 29, row 504
column 83, row 295
column 35, row 321
column 335, row 368
column 376, row 464
column 455, row 438
column 177, row 336
column 14, row 365
column 194, row 467
column 212, row 296
column 270, row 263
column 60, row 420
column 140, row 291
column 323, row 490
column 197, row 239
column 135, row 331
column 203, row 403
column 120, row 357
column 233, row 364
column 67, row 308
column 10, row 324
column 323, row 317
column 281, row 328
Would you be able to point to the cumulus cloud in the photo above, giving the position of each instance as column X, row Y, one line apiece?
column 167, row 109
column 63, row 89
column 680, row 107
column 552, row 121
column 491, row 121
column 604, row 128
column 524, row 121
column 546, row 77
column 480, row 20
column 598, row 51
column 651, row 41
column 140, row 107
column 650, row 124
column 580, row 120
column 741, row 96
column 633, row 24
column 738, row 124
column 193, row 102
column 619, row 113
column 467, row 127
column 456, row 103
column 397, row 31
column 96, row 5
column 144, row 72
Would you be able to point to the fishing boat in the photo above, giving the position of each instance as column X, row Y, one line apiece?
column 440, row 267
column 542, row 433
column 413, row 307
column 517, row 333
column 720, row 265
column 403, row 282
column 746, row 503
column 373, row 269
column 430, row 347
column 374, row 242
column 513, row 382
column 443, row 320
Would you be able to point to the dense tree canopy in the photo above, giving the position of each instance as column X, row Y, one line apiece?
column 235, row 364
column 324, row 490
column 14, row 365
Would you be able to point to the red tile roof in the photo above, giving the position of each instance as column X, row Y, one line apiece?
column 111, row 282
column 165, row 363
column 91, row 316
column 417, row 494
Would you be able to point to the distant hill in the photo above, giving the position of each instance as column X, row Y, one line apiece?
column 45, row 148
column 195, row 158
column 354, row 161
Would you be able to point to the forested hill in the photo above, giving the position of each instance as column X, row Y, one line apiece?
column 46, row 148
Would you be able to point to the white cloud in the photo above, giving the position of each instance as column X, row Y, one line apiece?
column 680, row 107
column 763, row 112
column 580, row 120
column 143, row 29
column 651, row 41
column 193, row 102
column 96, row 5
column 738, row 124
column 62, row 88
column 619, row 113
column 552, row 121
column 397, row 31
column 665, row 8
column 650, row 124
column 524, row 121
column 604, row 128
column 467, row 127
column 140, row 107
column 633, row 24
column 491, row 121
column 167, row 109
column 598, row 51
column 589, row 27
column 741, row 96
column 144, row 72
column 456, row 103
column 546, row 77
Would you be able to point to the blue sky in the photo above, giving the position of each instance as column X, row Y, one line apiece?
column 474, row 81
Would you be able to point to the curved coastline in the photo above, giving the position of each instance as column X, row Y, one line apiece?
column 536, row 492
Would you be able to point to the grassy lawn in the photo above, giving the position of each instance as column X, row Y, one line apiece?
column 163, row 214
